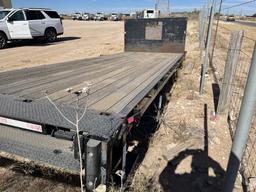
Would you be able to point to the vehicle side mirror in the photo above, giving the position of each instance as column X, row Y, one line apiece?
column 10, row 19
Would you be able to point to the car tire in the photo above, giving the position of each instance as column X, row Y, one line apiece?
column 50, row 35
column 3, row 40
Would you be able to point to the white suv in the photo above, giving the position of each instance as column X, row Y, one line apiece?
column 18, row 24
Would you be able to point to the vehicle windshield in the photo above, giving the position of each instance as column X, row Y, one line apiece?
column 150, row 11
column 3, row 14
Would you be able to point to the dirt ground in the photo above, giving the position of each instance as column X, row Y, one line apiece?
column 190, row 150
column 80, row 40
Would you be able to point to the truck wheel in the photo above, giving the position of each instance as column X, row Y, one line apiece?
column 50, row 35
column 3, row 40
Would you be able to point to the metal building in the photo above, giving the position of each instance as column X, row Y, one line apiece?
column 5, row 3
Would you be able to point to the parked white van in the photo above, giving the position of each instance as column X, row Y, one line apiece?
column 18, row 24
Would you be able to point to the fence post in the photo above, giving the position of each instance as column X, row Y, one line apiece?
column 216, row 32
column 208, row 42
column 204, row 23
column 207, row 13
column 200, row 26
column 243, row 127
column 230, row 69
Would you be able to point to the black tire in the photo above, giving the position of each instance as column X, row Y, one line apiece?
column 3, row 40
column 50, row 35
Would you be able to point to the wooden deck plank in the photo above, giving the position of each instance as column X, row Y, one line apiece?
column 72, row 72
column 62, row 96
column 116, row 84
column 100, row 89
column 122, row 92
column 119, row 106
column 43, row 70
column 116, row 80
column 114, row 87
column 57, row 84
column 105, row 86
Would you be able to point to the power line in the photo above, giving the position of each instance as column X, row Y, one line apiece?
column 238, row 5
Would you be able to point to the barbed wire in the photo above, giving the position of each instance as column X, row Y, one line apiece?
column 249, row 38
column 246, row 54
column 229, row 30
column 238, row 5
column 220, row 3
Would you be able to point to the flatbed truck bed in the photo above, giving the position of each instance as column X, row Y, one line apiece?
column 122, row 87
column 118, row 81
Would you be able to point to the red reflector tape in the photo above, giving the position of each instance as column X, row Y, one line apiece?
column 131, row 120
column 21, row 124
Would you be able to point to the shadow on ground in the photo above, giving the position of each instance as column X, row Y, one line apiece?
column 198, row 179
column 206, row 174
column 39, row 42
column 216, row 95
column 5, row 162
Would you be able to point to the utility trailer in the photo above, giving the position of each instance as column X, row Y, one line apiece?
column 123, row 87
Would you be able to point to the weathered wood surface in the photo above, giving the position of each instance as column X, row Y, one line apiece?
column 116, row 79
column 230, row 71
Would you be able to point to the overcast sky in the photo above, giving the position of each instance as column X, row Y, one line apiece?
column 70, row 6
